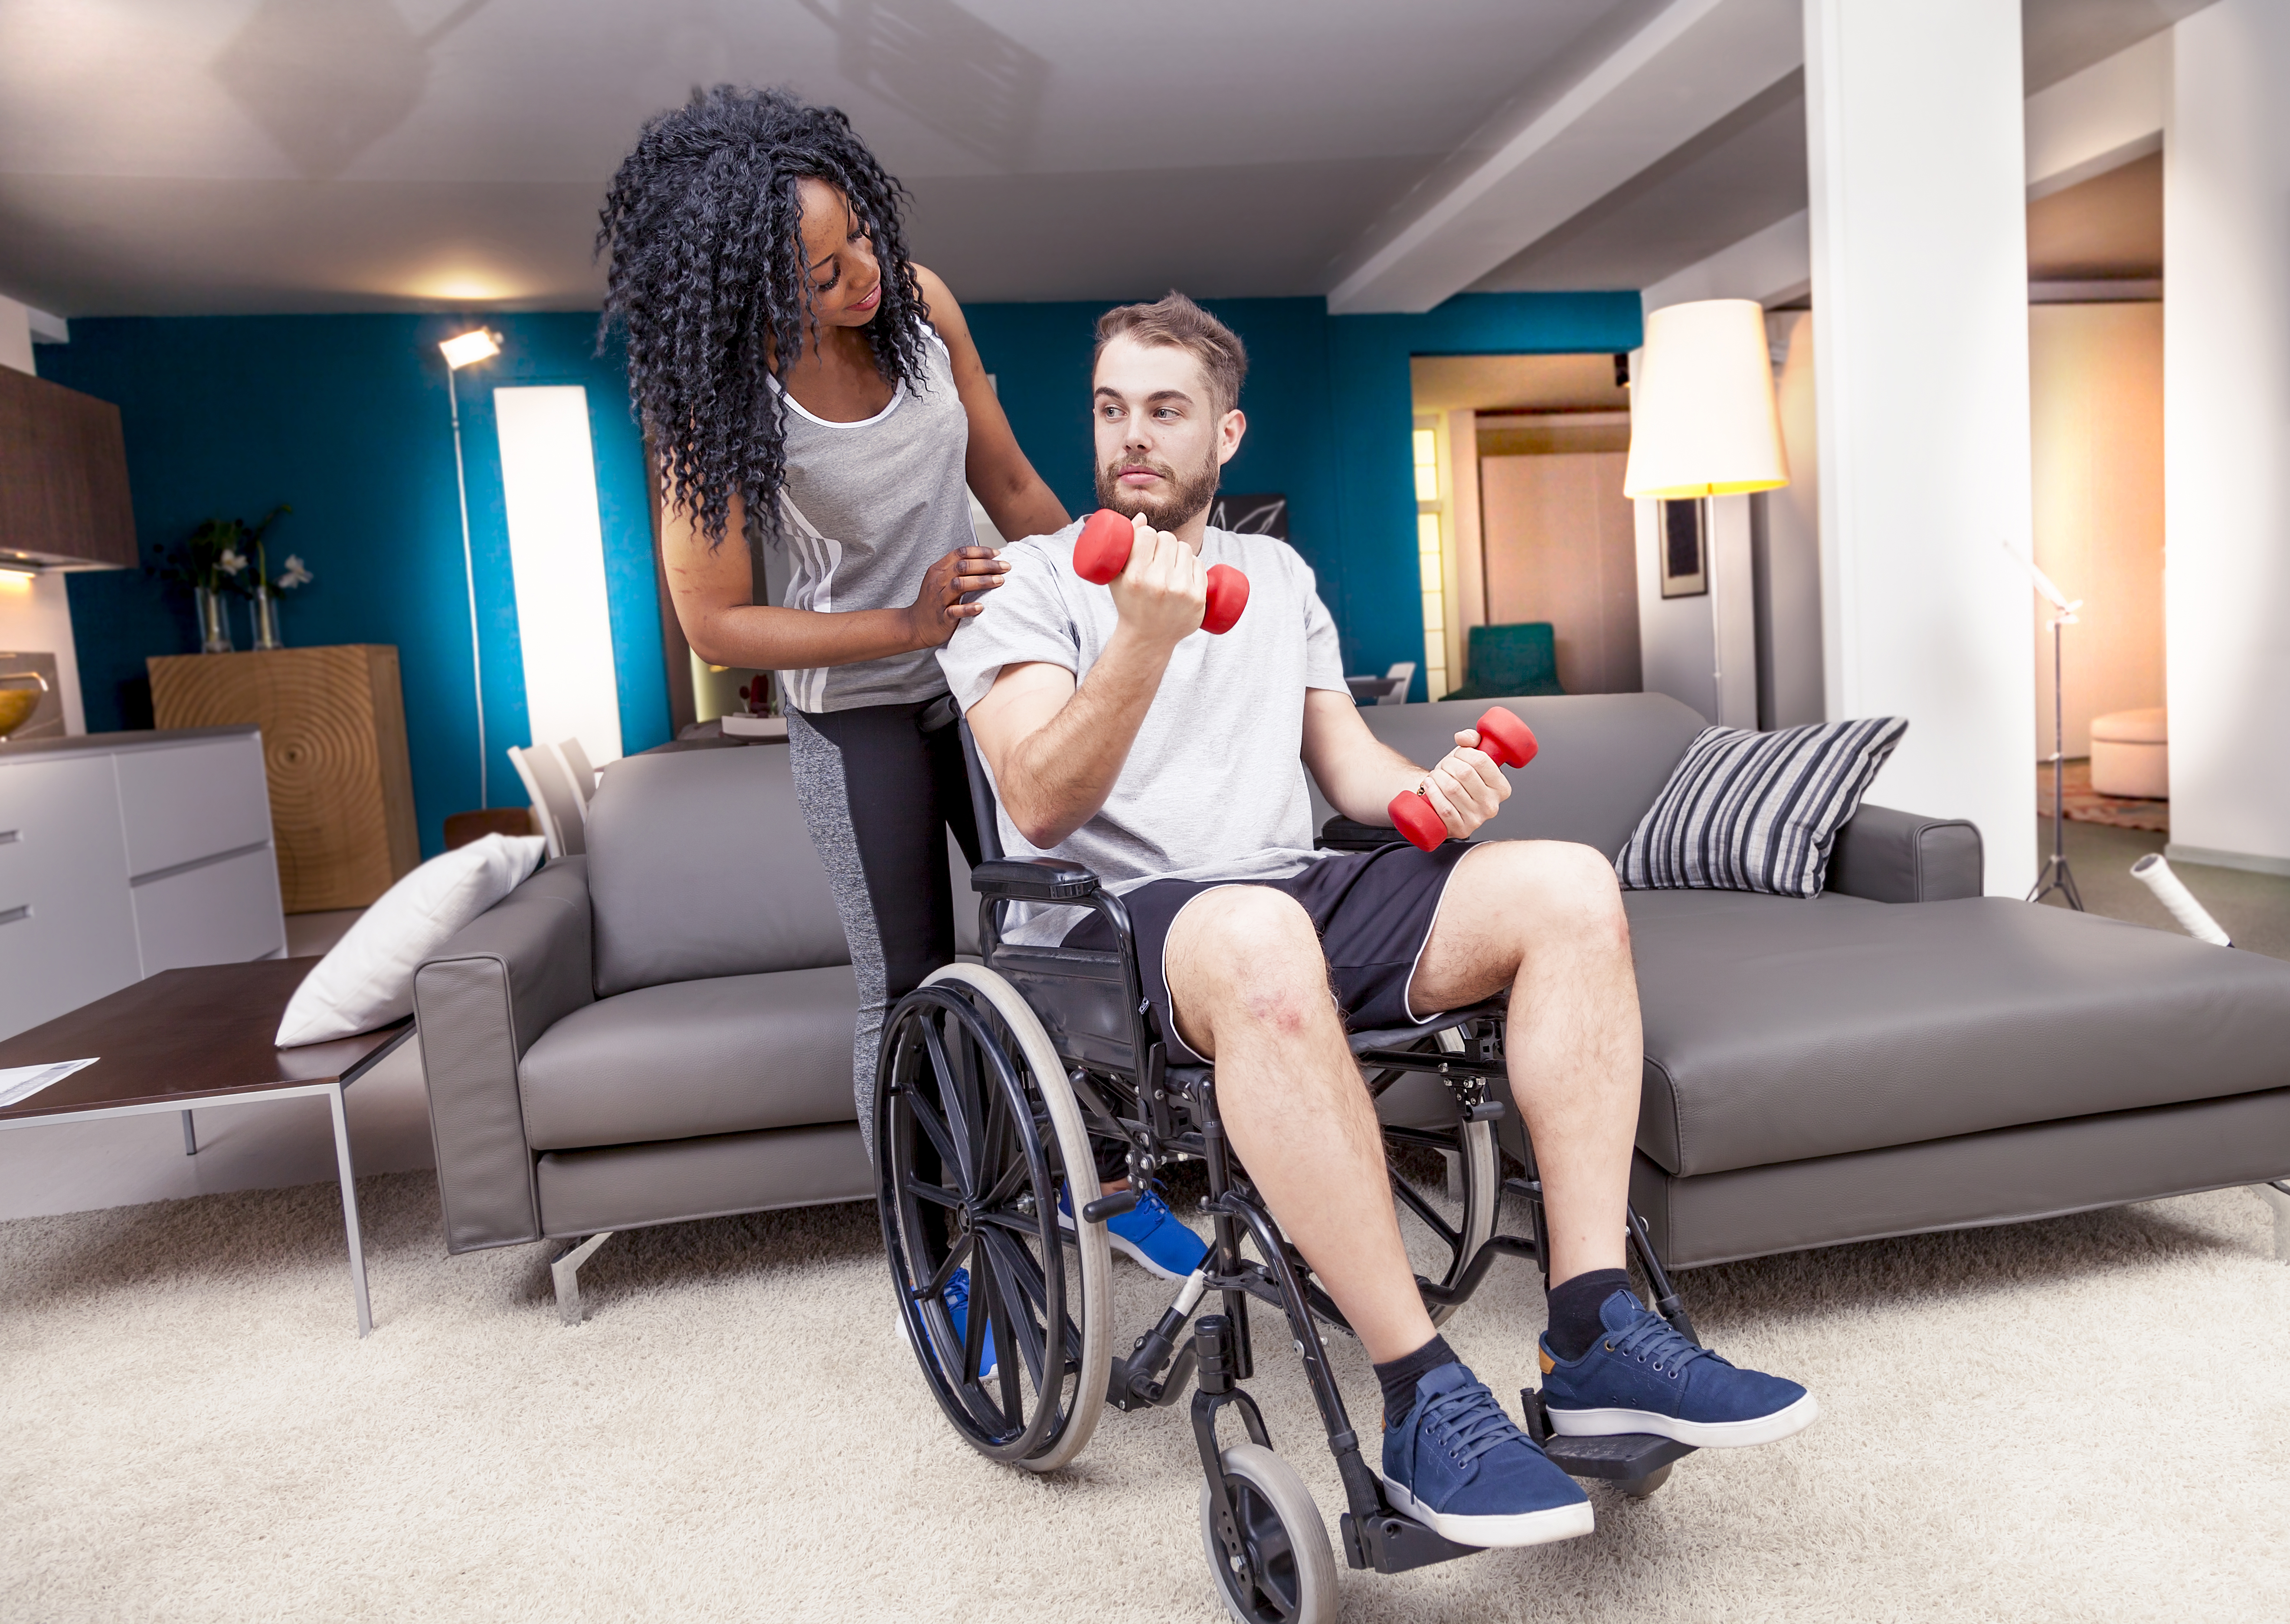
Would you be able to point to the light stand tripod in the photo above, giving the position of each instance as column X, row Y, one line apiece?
column 2056, row 875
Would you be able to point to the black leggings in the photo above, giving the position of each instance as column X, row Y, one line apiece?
column 880, row 793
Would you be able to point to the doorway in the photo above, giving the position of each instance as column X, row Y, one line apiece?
column 1521, row 520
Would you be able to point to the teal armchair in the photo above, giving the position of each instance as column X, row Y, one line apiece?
column 1510, row 661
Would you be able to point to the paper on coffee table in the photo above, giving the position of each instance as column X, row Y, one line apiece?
column 22, row 1082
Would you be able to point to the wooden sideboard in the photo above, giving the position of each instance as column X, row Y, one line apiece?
column 334, row 742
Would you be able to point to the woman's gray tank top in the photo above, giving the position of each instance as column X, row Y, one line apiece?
column 866, row 508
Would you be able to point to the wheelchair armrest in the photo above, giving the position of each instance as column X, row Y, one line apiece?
column 1034, row 879
column 1341, row 834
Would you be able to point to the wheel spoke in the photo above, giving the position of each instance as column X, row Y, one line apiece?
column 937, row 1194
column 992, row 1306
column 1014, row 1266
column 1006, row 1186
column 973, row 1330
column 1413, row 1199
column 963, row 1152
column 936, row 1284
column 934, row 1130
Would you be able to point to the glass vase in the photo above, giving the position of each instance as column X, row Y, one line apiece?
column 266, row 622
column 214, row 625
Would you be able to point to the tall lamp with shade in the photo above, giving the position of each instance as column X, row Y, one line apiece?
column 465, row 349
column 1704, row 422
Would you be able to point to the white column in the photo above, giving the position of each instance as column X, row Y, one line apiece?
column 1920, row 316
column 2226, row 397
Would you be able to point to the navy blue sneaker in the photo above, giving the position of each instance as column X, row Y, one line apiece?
column 958, row 1306
column 1457, row 1464
column 1642, row 1376
column 1149, row 1233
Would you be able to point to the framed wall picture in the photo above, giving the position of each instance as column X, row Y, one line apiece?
column 1684, row 552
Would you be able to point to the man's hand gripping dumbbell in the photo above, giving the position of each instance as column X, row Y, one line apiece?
column 1108, row 545
column 1465, row 788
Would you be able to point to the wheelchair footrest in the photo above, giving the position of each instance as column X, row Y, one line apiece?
column 1624, row 1458
column 1390, row 1543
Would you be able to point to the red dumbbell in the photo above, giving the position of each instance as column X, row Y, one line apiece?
column 1101, row 552
column 1502, row 735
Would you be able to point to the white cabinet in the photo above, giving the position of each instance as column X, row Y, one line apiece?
column 187, row 804
column 125, row 854
column 70, row 930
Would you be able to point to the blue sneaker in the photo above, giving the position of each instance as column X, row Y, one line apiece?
column 957, row 1305
column 1642, row 1376
column 1149, row 1233
column 1458, row 1465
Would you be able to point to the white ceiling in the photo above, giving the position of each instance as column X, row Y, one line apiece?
column 162, row 156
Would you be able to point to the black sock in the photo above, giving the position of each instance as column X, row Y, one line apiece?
column 1400, row 1376
column 1574, row 1304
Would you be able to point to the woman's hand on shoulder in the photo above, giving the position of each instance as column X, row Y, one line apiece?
column 965, row 573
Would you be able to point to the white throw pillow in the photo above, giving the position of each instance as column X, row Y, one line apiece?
column 367, row 980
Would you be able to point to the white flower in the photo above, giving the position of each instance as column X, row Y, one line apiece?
column 231, row 561
column 294, row 574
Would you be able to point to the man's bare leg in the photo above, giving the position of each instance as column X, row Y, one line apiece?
column 1251, row 990
column 1544, row 918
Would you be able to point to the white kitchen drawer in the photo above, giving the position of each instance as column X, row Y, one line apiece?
column 182, row 801
column 68, row 935
column 224, row 913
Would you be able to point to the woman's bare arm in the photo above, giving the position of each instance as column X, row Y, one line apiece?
column 713, row 589
column 1012, row 493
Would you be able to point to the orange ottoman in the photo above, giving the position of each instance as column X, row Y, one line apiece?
column 2131, row 754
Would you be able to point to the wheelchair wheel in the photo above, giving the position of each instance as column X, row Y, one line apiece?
column 976, row 1131
column 1289, row 1573
column 1444, row 1176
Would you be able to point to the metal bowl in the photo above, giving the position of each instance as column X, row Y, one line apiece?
column 20, row 694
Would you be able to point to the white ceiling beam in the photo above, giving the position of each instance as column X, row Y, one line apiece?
column 2105, row 117
column 2099, row 119
column 1693, row 63
column 1769, row 266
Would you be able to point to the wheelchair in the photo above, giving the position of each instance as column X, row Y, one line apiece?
column 998, row 1083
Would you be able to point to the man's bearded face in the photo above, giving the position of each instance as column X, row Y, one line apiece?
column 1178, row 498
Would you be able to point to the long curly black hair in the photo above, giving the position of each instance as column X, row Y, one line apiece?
column 708, row 282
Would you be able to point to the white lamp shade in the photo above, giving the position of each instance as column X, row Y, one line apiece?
column 477, row 344
column 1703, row 418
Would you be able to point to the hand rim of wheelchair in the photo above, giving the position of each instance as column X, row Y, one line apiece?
column 1058, row 1423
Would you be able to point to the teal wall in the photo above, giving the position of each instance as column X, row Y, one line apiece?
column 1329, row 413
column 345, row 418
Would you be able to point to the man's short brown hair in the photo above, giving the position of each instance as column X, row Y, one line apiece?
column 1177, row 322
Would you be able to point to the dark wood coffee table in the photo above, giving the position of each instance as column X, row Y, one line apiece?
column 200, row 1036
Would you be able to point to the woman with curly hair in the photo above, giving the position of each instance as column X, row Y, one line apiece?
column 793, row 368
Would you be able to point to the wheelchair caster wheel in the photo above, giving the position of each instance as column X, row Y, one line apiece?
column 1638, row 1488
column 1285, row 1572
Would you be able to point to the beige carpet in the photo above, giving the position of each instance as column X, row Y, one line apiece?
column 2083, row 1418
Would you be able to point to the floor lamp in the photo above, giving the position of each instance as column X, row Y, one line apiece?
column 2056, row 875
column 1703, row 422
column 465, row 349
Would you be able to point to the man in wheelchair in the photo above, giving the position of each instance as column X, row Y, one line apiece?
column 1171, row 762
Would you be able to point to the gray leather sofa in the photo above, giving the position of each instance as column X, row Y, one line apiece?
column 658, row 1030
column 1898, row 1054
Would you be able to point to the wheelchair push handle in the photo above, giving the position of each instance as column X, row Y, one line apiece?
column 1101, row 552
column 1502, row 735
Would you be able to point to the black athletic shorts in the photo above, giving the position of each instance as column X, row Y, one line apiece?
column 1374, row 911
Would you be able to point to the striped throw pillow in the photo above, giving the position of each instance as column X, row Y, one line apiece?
column 1756, row 811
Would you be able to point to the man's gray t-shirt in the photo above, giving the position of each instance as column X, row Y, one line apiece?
column 1213, row 786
